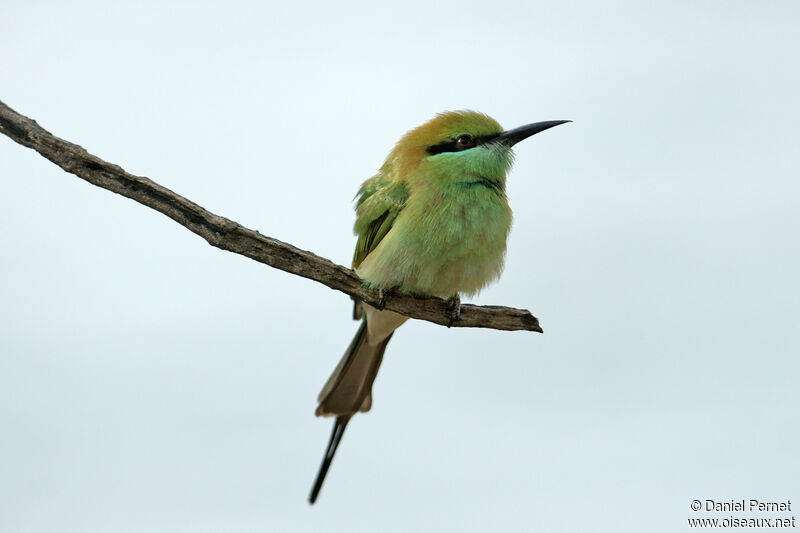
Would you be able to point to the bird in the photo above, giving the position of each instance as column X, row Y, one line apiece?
column 432, row 222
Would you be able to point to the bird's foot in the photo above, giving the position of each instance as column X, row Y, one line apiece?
column 454, row 303
column 381, row 300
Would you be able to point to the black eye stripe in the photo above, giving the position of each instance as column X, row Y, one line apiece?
column 448, row 146
column 452, row 145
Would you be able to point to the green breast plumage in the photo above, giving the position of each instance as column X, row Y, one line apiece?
column 447, row 238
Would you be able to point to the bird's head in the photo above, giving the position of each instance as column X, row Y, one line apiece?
column 459, row 144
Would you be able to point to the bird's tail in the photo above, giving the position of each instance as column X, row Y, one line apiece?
column 336, row 436
column 348, row 391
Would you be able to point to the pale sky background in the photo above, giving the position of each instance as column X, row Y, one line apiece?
column 150, row 382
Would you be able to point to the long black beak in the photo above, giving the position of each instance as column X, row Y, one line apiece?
column 512, row 137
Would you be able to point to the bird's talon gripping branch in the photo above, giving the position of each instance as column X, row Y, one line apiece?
column 454, row 302
column 381, row 300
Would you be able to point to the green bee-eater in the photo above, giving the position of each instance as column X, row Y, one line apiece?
column 433, row 221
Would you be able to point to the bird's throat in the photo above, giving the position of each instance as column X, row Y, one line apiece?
column 483, row 182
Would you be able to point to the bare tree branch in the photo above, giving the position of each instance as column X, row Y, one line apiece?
column 228, row 235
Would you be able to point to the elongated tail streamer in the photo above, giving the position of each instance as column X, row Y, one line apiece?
column 336, row 436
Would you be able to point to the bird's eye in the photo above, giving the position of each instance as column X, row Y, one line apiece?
column 465, row 141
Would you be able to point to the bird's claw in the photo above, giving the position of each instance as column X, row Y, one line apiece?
column 381, row 300
column 454, row 303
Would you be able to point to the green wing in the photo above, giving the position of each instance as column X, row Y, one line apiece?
column 379, row 203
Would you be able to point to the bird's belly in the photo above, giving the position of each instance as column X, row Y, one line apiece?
column 457, row 247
